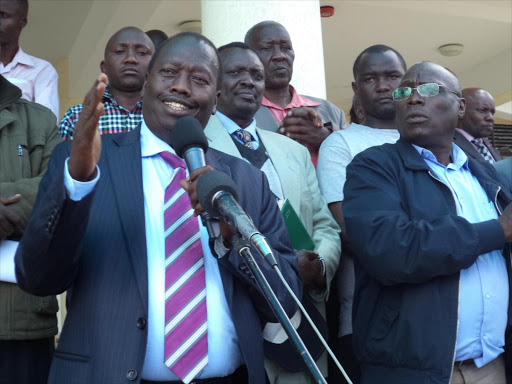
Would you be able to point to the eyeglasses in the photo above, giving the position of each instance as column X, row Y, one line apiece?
column 425, row 90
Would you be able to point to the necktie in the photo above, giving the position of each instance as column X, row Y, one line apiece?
column 244, row 137
column 186, row 338
column 483, row 150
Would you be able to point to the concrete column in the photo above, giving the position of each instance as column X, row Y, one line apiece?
column 225, row 21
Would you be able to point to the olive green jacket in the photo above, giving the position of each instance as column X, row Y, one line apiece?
column 28, row 134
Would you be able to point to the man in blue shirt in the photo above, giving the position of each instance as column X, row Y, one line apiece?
column 429, row 228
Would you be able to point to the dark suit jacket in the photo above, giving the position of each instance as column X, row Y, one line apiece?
column 96, row 249
column 470, row 150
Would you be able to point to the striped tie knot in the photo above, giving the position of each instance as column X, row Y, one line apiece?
column 173, row 160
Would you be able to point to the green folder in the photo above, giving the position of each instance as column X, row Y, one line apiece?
column 299, row 236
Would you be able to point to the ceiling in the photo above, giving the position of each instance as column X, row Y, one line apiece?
column 79, row 29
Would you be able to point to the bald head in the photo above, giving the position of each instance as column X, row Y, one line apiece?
column 430, row 121
column 129, row 34
column 449, row 79
column 478, row 120
column 257, row 28
column 127, row 55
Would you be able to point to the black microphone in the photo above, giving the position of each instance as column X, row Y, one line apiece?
column 217, row 194
column 190, row 143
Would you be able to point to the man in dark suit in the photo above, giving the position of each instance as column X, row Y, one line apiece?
column 98, row 231
column 306, row 119
column 476, row 126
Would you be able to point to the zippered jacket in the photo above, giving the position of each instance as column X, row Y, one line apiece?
column 410, row 247
column 28, row 134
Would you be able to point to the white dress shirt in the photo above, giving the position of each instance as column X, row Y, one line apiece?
column 224, row 355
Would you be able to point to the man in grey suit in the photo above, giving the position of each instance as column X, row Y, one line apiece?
column 100, row 229
column 287, row 165
column 306, row 119
column 476, row 126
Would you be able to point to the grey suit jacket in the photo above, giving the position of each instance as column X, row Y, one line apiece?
column 300, row 185
column 470, row 150
column 96, row 249
column 326, row 110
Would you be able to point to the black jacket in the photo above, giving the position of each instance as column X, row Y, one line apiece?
column 410, row 246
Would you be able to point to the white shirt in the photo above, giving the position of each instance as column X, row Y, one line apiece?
column 36, row 78
column 224, row 355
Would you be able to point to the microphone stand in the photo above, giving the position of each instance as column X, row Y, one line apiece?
column 242, row 247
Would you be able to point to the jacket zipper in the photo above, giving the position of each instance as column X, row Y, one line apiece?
column 458, row 293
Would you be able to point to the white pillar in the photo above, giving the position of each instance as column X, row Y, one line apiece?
column 225, row 21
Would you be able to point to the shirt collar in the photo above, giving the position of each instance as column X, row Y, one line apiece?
column 21, row 58
column 232, row 127
column 296, row 102
column 107, row 96
column 459, row 158
column 151, row 145
column 467, row 135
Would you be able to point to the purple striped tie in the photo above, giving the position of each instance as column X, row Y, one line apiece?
column 186, row 337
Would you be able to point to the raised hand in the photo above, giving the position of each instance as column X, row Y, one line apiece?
column 305, row 126
column 86, row 146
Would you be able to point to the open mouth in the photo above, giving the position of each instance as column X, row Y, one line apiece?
column 176, row 106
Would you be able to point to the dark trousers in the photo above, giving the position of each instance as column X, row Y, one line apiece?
column 25, row 361
column 344, row 352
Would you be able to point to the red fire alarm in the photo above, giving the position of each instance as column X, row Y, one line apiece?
column 326, row 11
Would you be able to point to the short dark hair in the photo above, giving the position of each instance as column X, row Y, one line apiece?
column 183, row 35
column 23, row 4
column 235, row 44
column 157, row 37
column 378, row 48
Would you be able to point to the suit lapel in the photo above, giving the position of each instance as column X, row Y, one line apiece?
column 219, row 138
column 495, row 154
column 466, row 145
column 285, row 167
column 265, row 120
column 125, row 165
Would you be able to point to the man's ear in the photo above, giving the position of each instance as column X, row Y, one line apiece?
column 462, row 108
column 23, row 22
column 354, row 87
column 214, row 110
column 102, row 66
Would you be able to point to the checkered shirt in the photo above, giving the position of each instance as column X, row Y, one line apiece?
column 115, row 118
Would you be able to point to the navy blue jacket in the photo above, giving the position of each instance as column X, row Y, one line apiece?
column 96, row 250
column 410, row 246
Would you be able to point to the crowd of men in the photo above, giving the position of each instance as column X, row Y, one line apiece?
column 407, row 208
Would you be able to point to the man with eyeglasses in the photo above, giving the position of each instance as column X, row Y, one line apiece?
column 428, row 226
column 476, row 126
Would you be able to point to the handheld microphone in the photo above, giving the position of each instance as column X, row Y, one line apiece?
column 217, row 194
column 190, row 143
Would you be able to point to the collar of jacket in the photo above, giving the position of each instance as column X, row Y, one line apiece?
column 484, row 172
column 8, row 93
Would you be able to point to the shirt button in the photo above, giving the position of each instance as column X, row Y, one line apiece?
column 131, row 374
column 141, row 323
column 487, row 296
